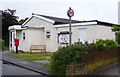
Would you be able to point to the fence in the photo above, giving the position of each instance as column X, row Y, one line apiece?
column 78, row 69
column 102, row 55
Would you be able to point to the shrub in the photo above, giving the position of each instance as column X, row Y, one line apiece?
column 117, row 37
column 65, row 56
column 90, row 48
column 105, row 44
column 116, row 29
column 2, row 45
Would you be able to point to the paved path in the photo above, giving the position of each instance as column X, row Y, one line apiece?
column 43, row 61
column 34, row 66
column 112, row 70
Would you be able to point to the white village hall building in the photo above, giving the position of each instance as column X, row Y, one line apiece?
column 53, row 32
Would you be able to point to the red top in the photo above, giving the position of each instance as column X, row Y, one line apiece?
column 16, row 42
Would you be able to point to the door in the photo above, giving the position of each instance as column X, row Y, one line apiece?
column 82, row 35
column 10, row 40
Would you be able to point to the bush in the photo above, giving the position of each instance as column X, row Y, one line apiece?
column 90, row 48
column 117, row 37
column 116, row 29
column 66, row 56
column 100, row 45
column 105, row 44
column 2, row 45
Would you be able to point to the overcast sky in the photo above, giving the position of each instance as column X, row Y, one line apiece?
column 103, row 10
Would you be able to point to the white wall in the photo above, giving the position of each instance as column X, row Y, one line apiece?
column 13, row 47
column 36, row 22
column 93, row 32
column 104, row 32
column 32, row 37
column 38, row 36
column 23, row 43
column 19, row 36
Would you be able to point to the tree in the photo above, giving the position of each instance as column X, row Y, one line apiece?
column 116, row 29
column 8, row 19
column 22, row 21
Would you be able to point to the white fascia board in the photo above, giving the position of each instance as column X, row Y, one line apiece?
column 15, row 27
column 46, row 19
column 75, row 24
column 43, row 18
column 21, row 29
column 36, row 27
column 27, row 20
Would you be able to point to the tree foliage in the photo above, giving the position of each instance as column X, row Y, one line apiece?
column 22, row 21
column 8, row 19
column 116, row 29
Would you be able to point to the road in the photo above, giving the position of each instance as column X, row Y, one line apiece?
column 9, row 69
column 112, row 71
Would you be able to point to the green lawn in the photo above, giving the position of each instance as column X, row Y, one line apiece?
column 47, row 64
column 33, row 57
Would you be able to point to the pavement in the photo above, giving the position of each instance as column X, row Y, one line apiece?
column 43, row 61
column 34, row 66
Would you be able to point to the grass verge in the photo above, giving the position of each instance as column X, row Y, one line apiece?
column 33, row 57
column 47, row 64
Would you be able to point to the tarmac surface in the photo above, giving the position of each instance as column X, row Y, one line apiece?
column 37, row 67
column 43, row 61
column 9, row 69
column 33, row 66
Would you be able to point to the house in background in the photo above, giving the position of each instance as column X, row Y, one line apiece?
column 53, row 32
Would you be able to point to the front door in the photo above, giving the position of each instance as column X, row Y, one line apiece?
column 82, row 35
column 10, row 40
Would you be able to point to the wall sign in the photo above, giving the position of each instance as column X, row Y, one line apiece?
column 63, row 38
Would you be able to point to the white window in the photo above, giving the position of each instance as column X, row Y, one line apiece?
column 23, row 36
column 82, row 35
column 14, row 35
column 48, row 34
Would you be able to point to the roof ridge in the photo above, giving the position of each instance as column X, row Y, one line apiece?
column 62, row 20
column 53, row 17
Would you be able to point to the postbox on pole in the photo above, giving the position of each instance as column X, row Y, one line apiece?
column 16, row 44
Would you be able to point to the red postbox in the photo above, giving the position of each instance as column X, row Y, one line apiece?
column 16, row 42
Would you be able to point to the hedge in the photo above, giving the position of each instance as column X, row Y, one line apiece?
column 68, row 56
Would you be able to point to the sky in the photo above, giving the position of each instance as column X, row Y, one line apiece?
column 102, row 10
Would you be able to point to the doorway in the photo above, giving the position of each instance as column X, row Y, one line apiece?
column 82, row 35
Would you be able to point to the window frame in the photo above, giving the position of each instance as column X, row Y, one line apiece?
column 48, row 34
column 23, row 36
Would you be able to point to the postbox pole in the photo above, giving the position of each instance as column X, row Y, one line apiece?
column 16, row 49
column 70, row 14
column 70, row 31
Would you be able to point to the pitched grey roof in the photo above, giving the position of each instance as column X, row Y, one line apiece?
column 66, row 21
column 59, row 20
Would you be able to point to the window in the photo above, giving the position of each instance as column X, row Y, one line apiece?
column 14, row 35
column 48, row 34
column 23, row 36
